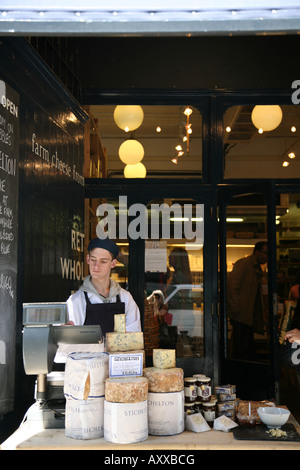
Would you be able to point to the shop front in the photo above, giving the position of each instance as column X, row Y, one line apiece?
column 181, row 227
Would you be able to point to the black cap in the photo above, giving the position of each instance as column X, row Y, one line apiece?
column 106, row 244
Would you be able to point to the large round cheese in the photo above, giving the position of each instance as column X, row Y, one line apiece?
column 125, row 423
column 84, row 419
column 85, row 374
column 164, row 380
column 126, row 389
column 166, row 413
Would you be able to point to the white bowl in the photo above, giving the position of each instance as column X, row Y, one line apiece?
column 273, row 417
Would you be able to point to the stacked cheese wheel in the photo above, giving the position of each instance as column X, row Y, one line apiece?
column 85, row 375
column 125, row 404
column 166, row 394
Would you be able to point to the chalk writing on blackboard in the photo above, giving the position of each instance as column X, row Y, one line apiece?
column 9, row 195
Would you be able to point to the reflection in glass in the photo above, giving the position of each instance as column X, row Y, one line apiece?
column 247, row 279
column 174, row 281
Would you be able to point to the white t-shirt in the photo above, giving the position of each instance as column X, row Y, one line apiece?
column 77, row 308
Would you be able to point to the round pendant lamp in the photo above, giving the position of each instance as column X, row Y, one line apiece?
column 131, row 152
column 135, row 171
column 128, row 117
column 266, row 117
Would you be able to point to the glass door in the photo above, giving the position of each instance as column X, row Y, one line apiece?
column 247, row 292
column 178, row 283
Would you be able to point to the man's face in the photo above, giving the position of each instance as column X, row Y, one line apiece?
column 262, row 255
column 100, row 263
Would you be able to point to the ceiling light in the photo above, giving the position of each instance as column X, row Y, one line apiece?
column 285, row 163
column 131, row 152
column 291, row 155
column 174, row 160
column 228, row 129
column 158, row 129
column 188, row 111
column 293, row 129
column 178, row 147
column 266, row 117
column 234, row 219
column 128, row 118
column 135, row 171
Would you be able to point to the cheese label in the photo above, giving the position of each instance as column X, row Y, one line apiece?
column 125, row 423
column 121, row 365
column 84, row 418
column 166, row 413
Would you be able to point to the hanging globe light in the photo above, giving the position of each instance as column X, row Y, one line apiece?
column 266, row 117
column 129, row 117
column 135, row 171
column 131, row 152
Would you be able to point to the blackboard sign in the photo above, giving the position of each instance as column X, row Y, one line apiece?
column 9, row 191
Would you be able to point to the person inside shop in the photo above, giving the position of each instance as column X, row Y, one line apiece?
column 179, row 261
column 245, row 302
column 100, row 297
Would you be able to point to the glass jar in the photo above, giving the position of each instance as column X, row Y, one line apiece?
column 198, row 406
column 198, row 383
column 189, row 409
column 204, row 389
column 209, row 411
column 190, row 389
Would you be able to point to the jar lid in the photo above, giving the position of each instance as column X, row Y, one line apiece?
column 209, row 403
column 189, row 404
column 199, row 376
column 205, row 379
column 190, row 379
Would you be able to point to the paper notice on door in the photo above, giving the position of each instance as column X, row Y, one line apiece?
column 156, row 256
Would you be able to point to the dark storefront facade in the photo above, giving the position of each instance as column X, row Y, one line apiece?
column 221, row 78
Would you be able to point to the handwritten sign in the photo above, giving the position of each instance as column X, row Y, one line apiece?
column 9, row 184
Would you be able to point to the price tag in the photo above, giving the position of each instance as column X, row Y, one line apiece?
column 122, row 365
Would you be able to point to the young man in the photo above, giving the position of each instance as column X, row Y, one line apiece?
column 100, row 298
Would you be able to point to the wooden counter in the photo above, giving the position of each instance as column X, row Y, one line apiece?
column 27, row 438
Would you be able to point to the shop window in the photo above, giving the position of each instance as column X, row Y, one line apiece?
column 288, row 249
column 168, row 137
column 250, row 152
column 174, row 280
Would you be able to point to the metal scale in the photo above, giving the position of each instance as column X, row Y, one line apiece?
column 45, row 330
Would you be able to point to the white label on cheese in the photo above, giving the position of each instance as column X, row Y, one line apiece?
column 125, row 423
column 85, row 375
column 166, row 413
column 84, row 418
column 121, row 365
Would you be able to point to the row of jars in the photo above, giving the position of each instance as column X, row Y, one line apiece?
column 197, row 388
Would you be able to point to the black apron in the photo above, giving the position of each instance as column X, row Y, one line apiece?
column 103, row 314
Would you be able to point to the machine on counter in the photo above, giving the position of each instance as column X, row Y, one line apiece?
column 45, row 333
